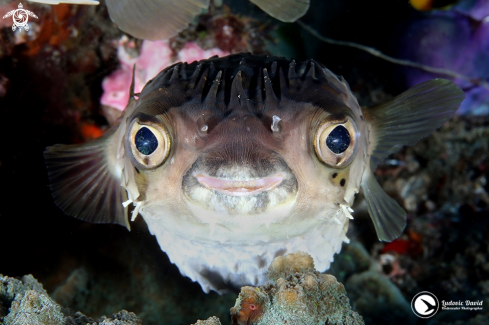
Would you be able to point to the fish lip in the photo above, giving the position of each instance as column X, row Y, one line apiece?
column 240, row 187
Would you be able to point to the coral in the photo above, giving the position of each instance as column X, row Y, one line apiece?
column 152, row 58
column 476, row 9
column 290, row 264
column 453, row 170
column 447, row 39
column 27, row 302
column 378, row 299
column 353, row 258
column 372, row 293
column 121, row 318
column 65, row 53
column 444, row 248
column 210, row 321
column 220, row 28
column 24, row 301
column 296, row 294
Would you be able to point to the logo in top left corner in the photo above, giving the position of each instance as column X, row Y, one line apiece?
column 20, row 17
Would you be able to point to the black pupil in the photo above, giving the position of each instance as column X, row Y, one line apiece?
column 146, row 141
column 338, row 140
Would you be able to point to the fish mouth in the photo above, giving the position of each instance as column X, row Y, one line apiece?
column 240, row 187
column 231, row 189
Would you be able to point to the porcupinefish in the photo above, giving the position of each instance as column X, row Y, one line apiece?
column 233, row 161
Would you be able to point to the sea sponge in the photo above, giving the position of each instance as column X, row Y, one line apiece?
column 296, row 294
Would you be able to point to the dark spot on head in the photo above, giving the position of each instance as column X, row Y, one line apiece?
column 342, row 182
column 334, row 175
column 137, row 170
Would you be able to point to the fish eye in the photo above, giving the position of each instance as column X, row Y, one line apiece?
column 145, row 141
column 338, row 140
column 335, row 143
column 149, row 143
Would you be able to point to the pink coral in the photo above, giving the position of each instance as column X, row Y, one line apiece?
column 154, row 57
column 192, row 52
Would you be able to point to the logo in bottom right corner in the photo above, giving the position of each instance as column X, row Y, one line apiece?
column 425, row 304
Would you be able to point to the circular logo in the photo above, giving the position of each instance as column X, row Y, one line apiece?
column 425, row 304
column 20, row 17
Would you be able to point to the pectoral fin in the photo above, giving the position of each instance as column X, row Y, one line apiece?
column 411, row 116
column 388, row 217
column 403, row 121
column 83, row 183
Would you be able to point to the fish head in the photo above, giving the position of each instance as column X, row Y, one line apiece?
column 231, row 155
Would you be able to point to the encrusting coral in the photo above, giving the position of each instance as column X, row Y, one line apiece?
column 24, row 301
column 210, row 321
column 296, row 294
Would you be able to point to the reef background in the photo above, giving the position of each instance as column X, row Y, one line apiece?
column 50, row 89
